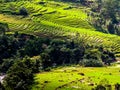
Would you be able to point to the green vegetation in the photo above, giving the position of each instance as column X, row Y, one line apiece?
column 41, row 35
column 22, row 71
column 107, row 16
column 77, row 78
column 51, row 52
column 52, row 19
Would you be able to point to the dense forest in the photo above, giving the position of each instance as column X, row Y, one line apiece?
column 22, row 54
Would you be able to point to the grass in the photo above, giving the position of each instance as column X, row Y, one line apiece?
column 76, row 78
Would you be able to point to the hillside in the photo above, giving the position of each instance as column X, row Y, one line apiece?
column 51, row 18
column 39, row 36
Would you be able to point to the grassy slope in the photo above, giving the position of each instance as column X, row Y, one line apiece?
column 68, row 78
column 53, row 19
column 56, row 15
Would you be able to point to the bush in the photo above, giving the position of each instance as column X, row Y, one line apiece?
column 108, row 57
column 23, row 11
column 19, row 77
column 93, row 54
column 42, row 2
column 100, row 87
column 7, row 63
column 3, row 28
column 46, row 62
column 92, row 63
column 48, row 69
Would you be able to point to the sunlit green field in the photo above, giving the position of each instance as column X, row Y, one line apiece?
column 77, row 78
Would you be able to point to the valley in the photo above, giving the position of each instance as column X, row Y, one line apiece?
column 59, row 45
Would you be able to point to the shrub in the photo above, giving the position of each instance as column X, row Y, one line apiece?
column 100, row 87
column 7, row 63
column 46, row 62
column 42, row 2
column 92, row 63
column 93, row 54
column 23, row 11
column 48, row 69
column 108, row 57
column 3, row 27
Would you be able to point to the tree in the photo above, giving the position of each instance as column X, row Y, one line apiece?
column 78, row 54
column 20, row 75
column 46, row 60
column 1, row 87
column 100, row 87
column 23, row 11
column 107, row 10
column 3, row 28
column 82, row 1
column 33, row 46
column 111, row 28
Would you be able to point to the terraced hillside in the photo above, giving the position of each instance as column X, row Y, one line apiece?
column 51, row 18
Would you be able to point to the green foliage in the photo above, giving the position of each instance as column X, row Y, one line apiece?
column 106, row 54
column 107, row 15
column 100, row 87
column 3, row 28
column 78, row 39
column 23, row 11
column 92, row 63
column 6, row 45
column 20, row 74
column 7, row 63
column 93, row 54
column 52, row 51
column 1, row 87
column 46, row 60
column 111, row 28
